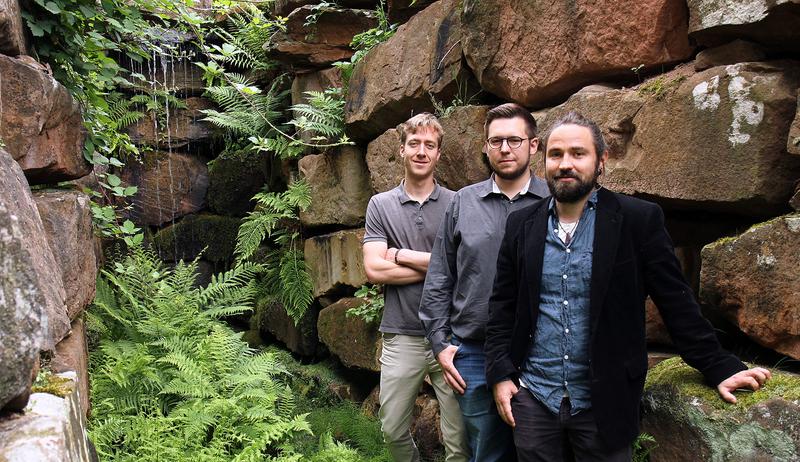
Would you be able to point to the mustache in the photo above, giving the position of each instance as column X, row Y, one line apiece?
column 566, row 175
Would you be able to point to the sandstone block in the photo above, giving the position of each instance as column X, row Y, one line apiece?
column 737, row 51
column 72, row 354
column 191, row 235
column 773, row 23
column 185, row 128
column 689, row 420
column 340, row 187
column 13, row 40
column 234, row 178
column 397, row 78
column 52, row 428
column 752, row 279
column 400, row 11
column 323, row 42
column 170, row 185
column 41, row 123
column 182, row 78
column 384, row 162
column 300, row 338
column 335, row 261
column 733, row 118
column 67, row 220
column 793, row 144
column 536, row 53
column 354, row 342
column 33, row 312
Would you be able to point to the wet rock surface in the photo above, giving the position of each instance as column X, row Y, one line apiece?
column 354, row 342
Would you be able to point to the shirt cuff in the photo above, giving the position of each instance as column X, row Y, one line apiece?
column 439, row 342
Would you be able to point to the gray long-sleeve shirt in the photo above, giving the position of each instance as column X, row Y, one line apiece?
column 455, row 298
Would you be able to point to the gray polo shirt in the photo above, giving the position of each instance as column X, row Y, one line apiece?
column 401, row 222
column 464, row 260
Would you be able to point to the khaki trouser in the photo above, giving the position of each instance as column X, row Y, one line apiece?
column 405, row 361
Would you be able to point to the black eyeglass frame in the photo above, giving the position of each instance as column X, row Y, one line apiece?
column 508, row 141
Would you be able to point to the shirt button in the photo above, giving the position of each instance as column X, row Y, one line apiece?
column 555, row 230
column 565, row 383
column 566, row 331
column 566, row 356
column 569, row 250
column 566, row 302
column 564, row 276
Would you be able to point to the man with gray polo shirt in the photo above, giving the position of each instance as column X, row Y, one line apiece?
column 455, row 300
column 400, row 228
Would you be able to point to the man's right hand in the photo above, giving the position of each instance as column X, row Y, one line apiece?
column 503, row 391
column 451, row 375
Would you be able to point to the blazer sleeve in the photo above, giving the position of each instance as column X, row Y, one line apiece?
column 502, row 308
column 691, row 333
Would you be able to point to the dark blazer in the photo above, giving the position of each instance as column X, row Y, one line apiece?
column 633, row 257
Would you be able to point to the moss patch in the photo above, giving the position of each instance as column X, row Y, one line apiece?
column 234, row 179
column 659, row 86
column 46, row 382
column 187, row 238
column 689, row 382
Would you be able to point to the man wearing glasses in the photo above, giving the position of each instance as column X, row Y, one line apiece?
column 455, row 298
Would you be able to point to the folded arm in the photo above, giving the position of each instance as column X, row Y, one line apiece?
column 381, row 270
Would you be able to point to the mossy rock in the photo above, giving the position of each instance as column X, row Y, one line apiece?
column 300, row 338
column 187, row 238
column 686, row 416
column 235, row 178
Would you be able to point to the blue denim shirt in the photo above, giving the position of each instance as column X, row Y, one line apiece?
column 558, row 361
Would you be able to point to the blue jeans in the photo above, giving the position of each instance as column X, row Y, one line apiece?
column 489, row 437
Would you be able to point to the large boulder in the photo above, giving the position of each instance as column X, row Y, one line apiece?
column 399, row 77
column 235, row 177
column 67, row 220
column 13, row 40
column 33, row 312
column 462, row 161
column 170, row 185
column 793, row 143
column 737, row 51
column 400, row 11
column 773, row 23
column 722, row 148
column 184, row 130
column 335, row 261
column 536, row 53
column 72, row 354
column 300, row 338
column 340, row 187
column 353, row 341
column 689, row 421
column 51, row 428
column 752, row 279
column 41, row 124
column 213, row 235
column 317, row 36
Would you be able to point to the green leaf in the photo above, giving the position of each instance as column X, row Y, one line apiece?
column 113, row 180
column 52, row 7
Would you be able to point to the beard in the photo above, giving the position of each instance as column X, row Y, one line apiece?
column 512, row 175
column 571, row 192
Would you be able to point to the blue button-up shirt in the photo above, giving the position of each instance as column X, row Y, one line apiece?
column 558, row 361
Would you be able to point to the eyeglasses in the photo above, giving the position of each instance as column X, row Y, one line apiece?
column 514, row 142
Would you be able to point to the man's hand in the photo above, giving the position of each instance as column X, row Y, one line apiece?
column 503, row 391
column 451, row 375
column 754, row 379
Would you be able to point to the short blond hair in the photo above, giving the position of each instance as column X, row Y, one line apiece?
column 423, row 120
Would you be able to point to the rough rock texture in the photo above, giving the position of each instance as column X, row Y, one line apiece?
column 400, row 11
column 753, row 280
column 13, row 40
column 461, row 163
column 340, row 187
column 300, row 338
column 397, row 78
column 737, row 51
column 186, row 129
column 183, row 78
column 772, row 22
column 793, row 143
column 335, row 260
column 51, row 429
column 235, row 178
column 794, row 202
column 284, row 7
column 170, row 186
column 325, row 41
column 689, row 420
column 33, row 313
column 535, row 52
column 354, row 342
column 40, row 123
column 67, row 220
column 187, row 238
column 72, row 354
column 384, row 162
column 726, row 117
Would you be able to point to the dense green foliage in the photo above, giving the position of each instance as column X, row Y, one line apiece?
column 371, row 309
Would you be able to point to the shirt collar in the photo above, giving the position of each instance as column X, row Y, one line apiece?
column 404, row 197
column 592, row 202
column 489, row 186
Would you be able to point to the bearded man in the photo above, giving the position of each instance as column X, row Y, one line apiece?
column 565, row 340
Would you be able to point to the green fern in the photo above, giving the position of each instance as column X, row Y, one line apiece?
column 322, row 116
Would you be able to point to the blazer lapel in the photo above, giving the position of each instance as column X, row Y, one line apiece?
column 533, row 253
column 608, row 223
